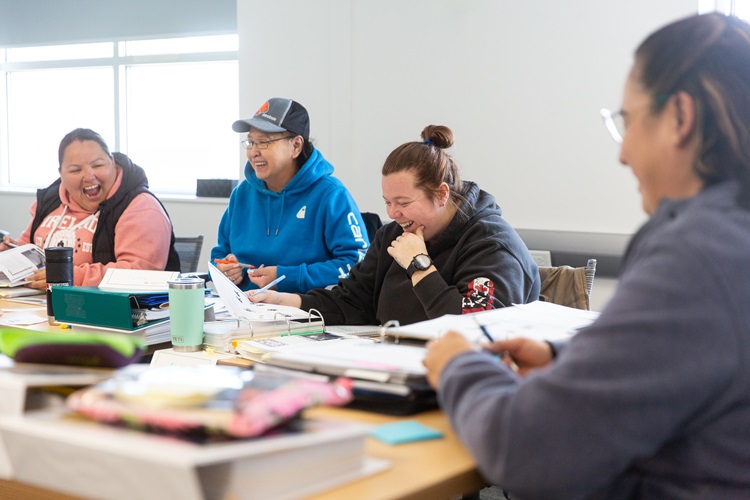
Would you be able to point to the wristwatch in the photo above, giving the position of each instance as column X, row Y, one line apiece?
column 420, row 262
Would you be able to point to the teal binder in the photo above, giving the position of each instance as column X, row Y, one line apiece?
column 90, row 305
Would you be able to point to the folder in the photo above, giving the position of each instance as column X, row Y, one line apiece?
column 90, row 305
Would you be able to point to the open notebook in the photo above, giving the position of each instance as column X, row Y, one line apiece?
column 256, row 320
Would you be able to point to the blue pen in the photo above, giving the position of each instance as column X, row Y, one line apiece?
column 505, row 355
column 484, row 329
column 256, row 292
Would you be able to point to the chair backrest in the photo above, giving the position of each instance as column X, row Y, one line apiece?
column 189, row 250
column 568, row 286
column 372, row 223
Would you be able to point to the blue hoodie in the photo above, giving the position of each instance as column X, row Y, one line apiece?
column 312, row 230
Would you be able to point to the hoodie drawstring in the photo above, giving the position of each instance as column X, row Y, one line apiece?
column 268, row 216
column 54, row 228
column 281, row 214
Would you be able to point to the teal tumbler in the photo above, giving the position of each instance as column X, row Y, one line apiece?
column 186, row 305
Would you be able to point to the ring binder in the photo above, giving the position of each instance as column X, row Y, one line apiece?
column 288, row 324
column 389, row 324
column 320, row 316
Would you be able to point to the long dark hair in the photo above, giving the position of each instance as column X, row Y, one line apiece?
column 708, row 57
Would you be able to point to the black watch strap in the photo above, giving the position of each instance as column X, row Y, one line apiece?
column 410, row 270
column 415, row 264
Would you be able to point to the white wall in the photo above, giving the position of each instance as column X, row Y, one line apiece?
column 520, row 83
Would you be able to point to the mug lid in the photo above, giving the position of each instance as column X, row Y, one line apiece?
column 187, row 282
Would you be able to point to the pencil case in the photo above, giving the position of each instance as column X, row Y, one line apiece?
column 71, row 348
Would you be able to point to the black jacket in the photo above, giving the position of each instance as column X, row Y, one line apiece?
column 482, row 264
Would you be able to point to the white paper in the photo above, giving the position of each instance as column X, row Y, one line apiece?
column 21, row 319
column 256, row 350
column 20, row 262
column 356, row 358
column 242, row 308
column 537, row 320
column 137, row 280
column 19, row 291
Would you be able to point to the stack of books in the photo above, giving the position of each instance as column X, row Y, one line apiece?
column 386, row 378
column 83, row 457
column 224, row 336
column 94, row 308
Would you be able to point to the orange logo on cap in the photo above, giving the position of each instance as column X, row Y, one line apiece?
column 262, row 109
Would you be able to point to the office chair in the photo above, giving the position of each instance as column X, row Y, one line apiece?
column 189, row 250
column 568, row 286
column 372, row 223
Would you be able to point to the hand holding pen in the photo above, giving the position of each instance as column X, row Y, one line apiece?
column 525, row 354
column 232, row 268
column 269, row 285
column 224, row 261
column 505, row 356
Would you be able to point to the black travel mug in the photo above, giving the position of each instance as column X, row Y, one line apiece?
column 59, row 273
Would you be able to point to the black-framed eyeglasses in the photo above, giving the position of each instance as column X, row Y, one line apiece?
column 248, row 144
column 615, row 123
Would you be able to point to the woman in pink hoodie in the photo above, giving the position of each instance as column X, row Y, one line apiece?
column 101, row 207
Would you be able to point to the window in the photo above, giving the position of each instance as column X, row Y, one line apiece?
column 168, row 104
column 739, row 8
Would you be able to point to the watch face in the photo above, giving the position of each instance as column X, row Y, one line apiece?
column 422, row 261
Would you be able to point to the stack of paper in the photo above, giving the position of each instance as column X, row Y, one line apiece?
column 253, row 321
column 259, row 350
column 137, row 281
column 224, row 336
column 386, row 378
column 14, row 292
column 537, row 320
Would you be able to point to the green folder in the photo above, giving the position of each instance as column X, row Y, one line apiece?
column 90, row 305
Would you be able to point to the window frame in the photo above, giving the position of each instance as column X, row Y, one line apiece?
column 119, row 62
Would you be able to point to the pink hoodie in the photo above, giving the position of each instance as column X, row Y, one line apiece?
column 142, row 235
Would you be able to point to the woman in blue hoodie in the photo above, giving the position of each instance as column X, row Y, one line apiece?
column 289, row 217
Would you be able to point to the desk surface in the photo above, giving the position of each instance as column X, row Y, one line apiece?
column 9, row 309
column 439, row 468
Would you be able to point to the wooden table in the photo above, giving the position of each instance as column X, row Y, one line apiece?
column 439, row 468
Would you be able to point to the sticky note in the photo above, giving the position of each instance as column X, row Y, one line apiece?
column 404, row 432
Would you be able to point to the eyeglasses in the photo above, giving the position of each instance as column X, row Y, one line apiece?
column 615, row 123
column 248, row 144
